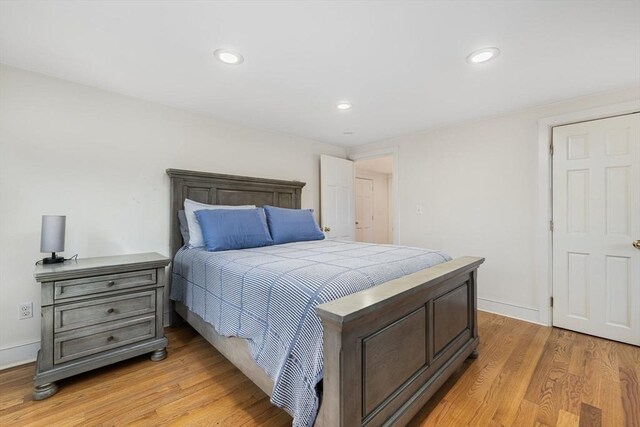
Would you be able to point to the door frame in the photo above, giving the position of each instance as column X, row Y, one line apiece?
column 543, row 273
column 395, row 207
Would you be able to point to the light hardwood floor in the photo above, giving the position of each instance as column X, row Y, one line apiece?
column 526, row 375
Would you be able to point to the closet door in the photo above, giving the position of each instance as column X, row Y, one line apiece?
column 596, row 227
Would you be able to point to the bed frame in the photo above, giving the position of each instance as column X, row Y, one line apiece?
column 387, row 349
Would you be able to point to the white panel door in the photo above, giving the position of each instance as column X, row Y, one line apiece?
column 596, row 219
column 337, row 198
column 364, row 210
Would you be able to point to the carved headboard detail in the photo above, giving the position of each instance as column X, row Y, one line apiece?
column 220, row 189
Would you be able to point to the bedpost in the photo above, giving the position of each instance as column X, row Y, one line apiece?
column 389, row 348
column 332, row 408
column 175, row 239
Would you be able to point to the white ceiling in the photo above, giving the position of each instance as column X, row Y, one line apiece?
column 400, row 63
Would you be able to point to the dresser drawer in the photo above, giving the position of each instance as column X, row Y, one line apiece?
column 97, row 284
column 79, row 343
column 87, row 313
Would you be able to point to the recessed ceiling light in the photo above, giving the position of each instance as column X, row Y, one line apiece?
column 483, row 55
column 229, row 56
column 343, row 105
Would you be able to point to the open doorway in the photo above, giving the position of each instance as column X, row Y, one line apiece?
column 373, row 199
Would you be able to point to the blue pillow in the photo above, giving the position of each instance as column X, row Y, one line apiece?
column 292, row 225
column 224, row 229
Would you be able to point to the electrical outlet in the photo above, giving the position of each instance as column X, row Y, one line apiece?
column 26, row 310
column 419, row 209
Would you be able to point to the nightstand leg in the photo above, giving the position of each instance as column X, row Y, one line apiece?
column 41, row 392
column 159, row 355
column 474, row 354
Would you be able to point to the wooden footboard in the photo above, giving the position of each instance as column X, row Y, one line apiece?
column 389, row 348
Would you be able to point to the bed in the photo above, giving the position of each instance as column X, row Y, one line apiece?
column 385, row 349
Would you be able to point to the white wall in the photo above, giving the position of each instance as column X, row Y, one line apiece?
column 100, row 158
column 381, row 202
column 477, row 185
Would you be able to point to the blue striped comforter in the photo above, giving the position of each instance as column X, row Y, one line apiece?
column 268, row 296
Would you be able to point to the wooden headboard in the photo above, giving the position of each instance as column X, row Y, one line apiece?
column 219, row 189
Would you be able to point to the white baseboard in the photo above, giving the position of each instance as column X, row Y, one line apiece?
column 520, row 312
column 18, row 355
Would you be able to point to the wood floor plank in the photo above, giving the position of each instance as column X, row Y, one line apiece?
column 231, row 409
column 518, row 374
column 526, row 414
column 592, row 382
column 571, row 394
column 546, row 388
column 567, row 419
column 107, row 385
column 437, row 408
column 280, row 419
column 444, row 414
column 16, row 373
column 611, row 403
column 505, row 382
column 164, row 392
column 473, row 390
column 629, row 368
column 526, row 375
column 590, row 416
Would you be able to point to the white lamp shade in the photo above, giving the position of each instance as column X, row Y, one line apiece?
column 52, row 234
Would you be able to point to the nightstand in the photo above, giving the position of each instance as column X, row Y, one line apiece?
column 98, row 311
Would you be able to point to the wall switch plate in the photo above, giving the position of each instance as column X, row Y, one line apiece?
column 26, row 310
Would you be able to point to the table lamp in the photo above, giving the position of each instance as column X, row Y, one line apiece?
column 52, row 237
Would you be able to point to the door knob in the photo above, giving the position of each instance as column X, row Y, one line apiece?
column 636, row 244
column 326, row 229
column 357, row 222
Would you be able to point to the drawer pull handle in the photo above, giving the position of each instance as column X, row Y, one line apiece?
column 111, row 310
column 111, row 283
column 110, row 338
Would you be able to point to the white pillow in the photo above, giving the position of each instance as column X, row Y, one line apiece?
column 195, row 232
